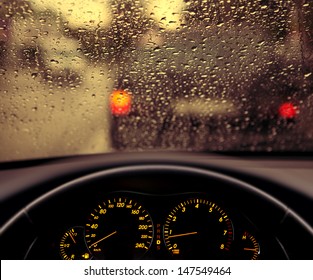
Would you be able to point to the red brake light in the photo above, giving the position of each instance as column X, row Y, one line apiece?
column 287, row 110
column 120, row 102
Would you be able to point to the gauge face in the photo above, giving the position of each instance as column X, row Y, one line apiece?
column 119, row 228
column 198, row 229
column 73, row 246
column 249, row 247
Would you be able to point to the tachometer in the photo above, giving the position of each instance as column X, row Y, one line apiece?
column 198, row 229
column 119, row 228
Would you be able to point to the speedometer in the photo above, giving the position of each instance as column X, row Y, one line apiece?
column 119, row 228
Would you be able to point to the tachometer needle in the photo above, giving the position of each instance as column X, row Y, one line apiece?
column 183, row 234
column 93, row 244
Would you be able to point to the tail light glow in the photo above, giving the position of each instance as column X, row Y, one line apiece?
column 287, row 110
column 120, row 102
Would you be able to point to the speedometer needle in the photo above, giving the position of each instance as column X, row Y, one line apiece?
column 183, row 234
column 72, row 237
column 93, row 244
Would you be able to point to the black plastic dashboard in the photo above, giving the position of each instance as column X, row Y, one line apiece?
column 157, row 206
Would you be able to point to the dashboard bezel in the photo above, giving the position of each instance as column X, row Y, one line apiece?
column 274, row 223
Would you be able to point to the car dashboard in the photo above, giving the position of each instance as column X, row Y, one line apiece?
column 153, row 206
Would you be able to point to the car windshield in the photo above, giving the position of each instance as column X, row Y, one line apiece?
column 96, row 76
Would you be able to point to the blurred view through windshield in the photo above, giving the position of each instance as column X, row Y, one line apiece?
column 95, row 76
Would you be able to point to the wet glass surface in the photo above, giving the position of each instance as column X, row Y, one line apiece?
column 95, row 76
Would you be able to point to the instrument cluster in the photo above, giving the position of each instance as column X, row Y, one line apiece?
column 155, row 212
column 152, row 208
column 128, row 225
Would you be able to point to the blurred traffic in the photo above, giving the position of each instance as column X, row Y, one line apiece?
column 96, row 76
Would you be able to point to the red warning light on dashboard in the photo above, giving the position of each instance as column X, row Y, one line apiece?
column 120, row 102
column 287, row 110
